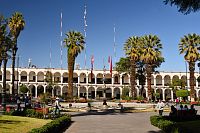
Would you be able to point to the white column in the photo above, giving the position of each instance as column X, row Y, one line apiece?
column 61, row 80
column 61, row 90
column 120, row 79
column 120, row 92
column 86, row 79
column 95, row 79
column 87, row 92
column 146, row 93
column 78, row 79
column 163, row 91
column 172, row 96
column 28, row 78
column 36, row 95
column 78, row 91
column 45, row 89
column 197, row 92
column 112, row 89
column 138, row 90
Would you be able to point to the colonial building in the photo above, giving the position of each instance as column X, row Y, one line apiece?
column 98, row 84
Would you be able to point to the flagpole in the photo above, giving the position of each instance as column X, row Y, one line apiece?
column 114, row 39
column 85, row 27
column 61, row 41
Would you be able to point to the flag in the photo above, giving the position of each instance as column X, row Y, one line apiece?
column 92, row 63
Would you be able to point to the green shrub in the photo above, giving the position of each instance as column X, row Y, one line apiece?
column 163, row 124
column 56, row 125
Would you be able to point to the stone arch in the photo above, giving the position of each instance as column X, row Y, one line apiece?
column 83, row 92
column 108, row 78
column 40, row 90
column 175, row 77
column 64, row 90
column 108, row 93
column 159, row 90
column 49, row 89
column 75, row 77
column 116, row 79
column 91, row 92
column 168, row 94
column 65, row 77
column 99, row 78
column 167, row 80
column 99, row 92
column 8, row 75
column 57, row 77
column 40, row 77
column 57, row 90
column 91, row 79
column 117, row 93
column 32, row 76
column 158, row 80
column 32, row 90
column 125, row 79
column 23, row 77
column 75, row 91
column 82, row 78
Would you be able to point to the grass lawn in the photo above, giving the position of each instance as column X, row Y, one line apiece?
column 17, row 124
column 190, row 126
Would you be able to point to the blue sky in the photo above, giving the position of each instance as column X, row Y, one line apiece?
column 131, row 18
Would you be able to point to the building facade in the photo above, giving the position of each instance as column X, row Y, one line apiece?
column 98, row 84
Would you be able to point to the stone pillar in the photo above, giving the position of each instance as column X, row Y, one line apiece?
column 28, row 78
column 95, row 92
column 87, row 92
column 163, row 91
column 172, row 96
column 163, row 84
column 112, row 89
column 120, row 79
column 36, row 95
column 61, row 90
column 78, row 79
column 78, row 91
column 95, row 79
column 45, row 89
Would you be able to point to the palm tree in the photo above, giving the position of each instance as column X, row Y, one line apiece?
column 185, row 6
column 5, row 42
column 16, row 25
column 190, row 45
column 75, row 44
column 132, row 48
column 151, row 55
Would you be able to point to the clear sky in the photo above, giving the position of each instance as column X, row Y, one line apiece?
column 131, row 18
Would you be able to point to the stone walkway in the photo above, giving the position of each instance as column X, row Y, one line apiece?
column 102, row 122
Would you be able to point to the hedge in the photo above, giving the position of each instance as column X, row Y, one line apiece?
column 163, row 124
column 56, row 125
column 32, row 113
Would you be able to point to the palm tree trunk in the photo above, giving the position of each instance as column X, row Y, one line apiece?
column 4, row 84
column 13, row 71
column 192, row 68
column 132, row 79
column 148, row 69
column 70, row 81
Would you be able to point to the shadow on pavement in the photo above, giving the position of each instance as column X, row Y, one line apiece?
column 160, row 131
column 107, row 112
